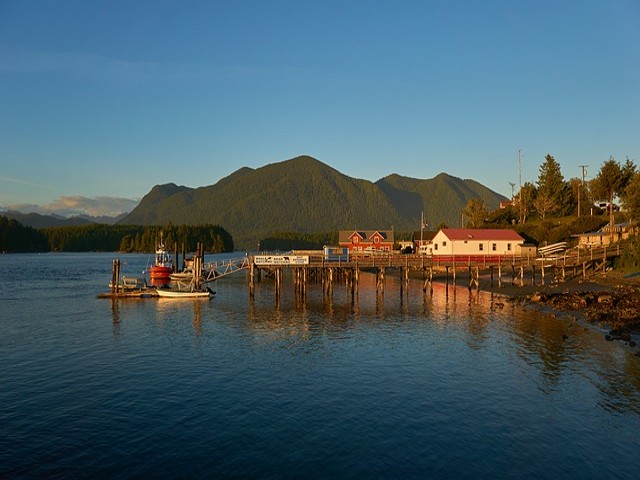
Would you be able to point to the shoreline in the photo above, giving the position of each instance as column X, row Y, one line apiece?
column 607, row 302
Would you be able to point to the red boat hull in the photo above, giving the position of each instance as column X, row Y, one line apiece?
column 158, row 272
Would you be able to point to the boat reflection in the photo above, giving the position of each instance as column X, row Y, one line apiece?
column 167, row 314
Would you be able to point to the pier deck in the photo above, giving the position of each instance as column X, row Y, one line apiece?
column 313, row 265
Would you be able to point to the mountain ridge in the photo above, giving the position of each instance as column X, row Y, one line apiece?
column 38, row 220
column 305, row 195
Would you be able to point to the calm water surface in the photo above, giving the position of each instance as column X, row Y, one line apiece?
column 401, row 385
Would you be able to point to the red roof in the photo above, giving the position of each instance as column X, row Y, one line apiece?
column 481, row 234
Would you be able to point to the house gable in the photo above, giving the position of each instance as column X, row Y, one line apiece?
column 361, row 240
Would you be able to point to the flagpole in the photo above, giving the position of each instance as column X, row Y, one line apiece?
column 421, row 229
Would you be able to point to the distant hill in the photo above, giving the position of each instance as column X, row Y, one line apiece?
column 308, row 196
column 36, row 220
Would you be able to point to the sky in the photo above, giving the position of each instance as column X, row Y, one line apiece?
column 102, row 100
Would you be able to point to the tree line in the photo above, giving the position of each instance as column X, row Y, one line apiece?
column 297, row 241
column 553, row 196
column 15, row 237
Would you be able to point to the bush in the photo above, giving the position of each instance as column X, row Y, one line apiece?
column 629, row 260
column 588, row 224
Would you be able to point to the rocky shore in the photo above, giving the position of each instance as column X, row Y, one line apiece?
column 609, row 302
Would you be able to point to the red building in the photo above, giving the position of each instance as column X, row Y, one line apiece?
column 366, row 240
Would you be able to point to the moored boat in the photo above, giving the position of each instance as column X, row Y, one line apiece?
column 163, row 266
column 174, row 293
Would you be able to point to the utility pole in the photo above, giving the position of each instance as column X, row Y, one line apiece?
column 520, row 168
column 584, row 174
column 421, row 234
column 520, row 182
column 512, row 186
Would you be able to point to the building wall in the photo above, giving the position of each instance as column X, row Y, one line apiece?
column 444, row 246
column 371, row 241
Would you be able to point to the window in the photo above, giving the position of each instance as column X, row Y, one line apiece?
column 356, row 239
column 435, row 246
column 444, row 243
column 480, row 247
column 494, row 247
column 376, row 240
column 508, row 247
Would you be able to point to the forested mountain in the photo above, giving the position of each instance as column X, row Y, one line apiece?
column 305, row 195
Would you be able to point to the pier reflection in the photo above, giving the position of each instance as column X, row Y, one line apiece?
column 115, row 315
column 463, row 324
column 485, row 322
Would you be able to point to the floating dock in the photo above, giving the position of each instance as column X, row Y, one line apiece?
column 151, row 292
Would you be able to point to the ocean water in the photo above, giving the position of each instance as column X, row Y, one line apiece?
column 401, row 384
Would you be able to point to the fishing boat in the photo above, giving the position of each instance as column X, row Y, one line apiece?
column 175, row 293
column 163, row 266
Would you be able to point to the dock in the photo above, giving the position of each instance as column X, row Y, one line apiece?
column 313, row 266
column 151, row 292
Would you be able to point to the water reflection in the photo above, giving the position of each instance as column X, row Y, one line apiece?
column 557, row 349
column 556, row 354
column 166, row 311
column 115, row 315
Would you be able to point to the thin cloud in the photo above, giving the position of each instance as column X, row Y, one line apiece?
column 80, row 205
column 21, row 182
column 101, row 68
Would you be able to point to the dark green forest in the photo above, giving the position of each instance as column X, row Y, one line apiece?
column 298, row 241
column 15, row 237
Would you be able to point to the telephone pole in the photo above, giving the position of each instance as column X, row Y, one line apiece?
column 584, row 174
column 520, row 199
column 520, row 168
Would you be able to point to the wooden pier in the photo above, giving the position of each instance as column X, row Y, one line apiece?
column 312, row 266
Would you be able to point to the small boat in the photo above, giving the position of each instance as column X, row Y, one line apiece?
column 163, row 266
column 184, row 275
column 175, row 293
column 128, row 284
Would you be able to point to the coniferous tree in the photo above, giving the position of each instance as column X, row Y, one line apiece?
column 15, row 237
column 608, row 184
column 628, row 171
column 552, row 187
column 631, row 198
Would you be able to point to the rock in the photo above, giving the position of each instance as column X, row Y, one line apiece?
column 538, row 297
column 605, row 298
column 632, row 344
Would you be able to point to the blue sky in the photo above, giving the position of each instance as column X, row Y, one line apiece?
column 102, row 100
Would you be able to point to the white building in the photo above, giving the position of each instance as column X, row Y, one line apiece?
column 476, row 242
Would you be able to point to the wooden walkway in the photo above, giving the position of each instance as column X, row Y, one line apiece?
column 312, row 266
